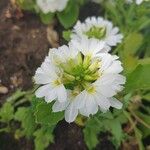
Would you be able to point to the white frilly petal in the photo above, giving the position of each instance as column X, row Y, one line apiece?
column 60, row 106
column 61, row 93
column 103, row 102
column 71, row 113
column 115, row 103
column 43, row 90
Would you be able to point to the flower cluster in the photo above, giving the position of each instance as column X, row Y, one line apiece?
column 52, row 6
column 83, row 77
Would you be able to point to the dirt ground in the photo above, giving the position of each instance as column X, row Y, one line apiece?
column 23, row 46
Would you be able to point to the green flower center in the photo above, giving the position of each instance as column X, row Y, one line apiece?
column 96, row 32
column 57, row 82
column 80, row 72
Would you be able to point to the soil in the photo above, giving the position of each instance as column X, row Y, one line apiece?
column 23, row 46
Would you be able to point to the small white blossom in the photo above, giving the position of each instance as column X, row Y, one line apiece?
column 51, row 5
column 97, row 29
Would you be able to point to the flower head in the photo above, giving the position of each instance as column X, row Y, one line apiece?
column 97, row 29
column 51, row 5
column 81, row 78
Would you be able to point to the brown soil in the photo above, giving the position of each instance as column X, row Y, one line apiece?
column 23, row 46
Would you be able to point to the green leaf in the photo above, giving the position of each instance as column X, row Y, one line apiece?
column 43, row 137
column 132, row 43
column 116, row 130
column 70, row 15
column 138, row 79
column 122, row 118
column 26, row 4
column 44, row 114
column 25, row 116
column 145, row 131
column 130, row 46
column 144, row 61
column 81, row 2
column 127, row 99
column 46, row 18
column 67, row 35
column 129, row 63
column 107, row 115
column 138, row 135
column 146, row 96
column 91, row 131
column 6, row 112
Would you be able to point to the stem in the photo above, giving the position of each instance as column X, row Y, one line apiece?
column 129, row 118
column 139, row 119
column 20, row 102
column 135, row 129
column 17, row 95
column 4, row 129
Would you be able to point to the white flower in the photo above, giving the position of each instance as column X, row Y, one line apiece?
column 51, row 5
column 138, row 2
column 81, row 78
column 50, row 78
column 98, row 29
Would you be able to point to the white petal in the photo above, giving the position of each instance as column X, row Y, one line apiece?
column 107, row 90
column 106, row 61
column 43, row 90
column 41, row 78
column 120, row 79
column 103, row 102
column 51, row 5
column 105, row 80
column 50, row 96
column 71, row 113
column 60, row 106
column 61, row 93
column 139, row 2
column 80, row 99
column 83, row 111
column 47, row 67
column 91, row 105
column 115, row 103
column 114, row 68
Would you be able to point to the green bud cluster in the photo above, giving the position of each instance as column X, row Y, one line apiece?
column 80, row 72
column 96, row 32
